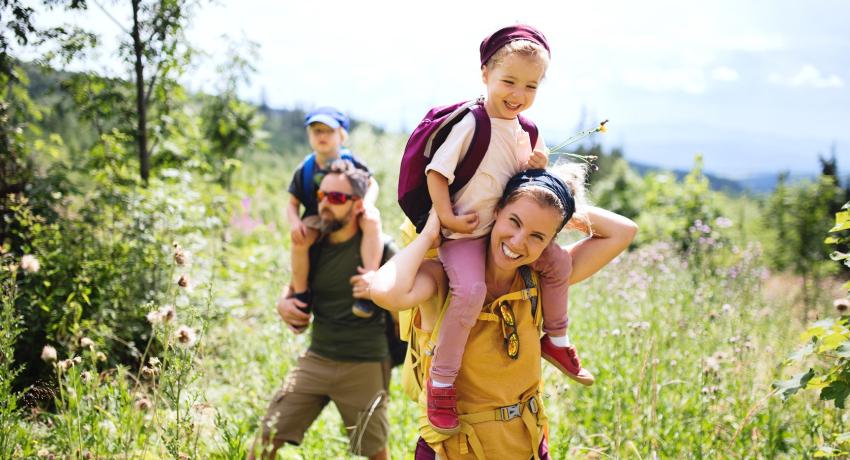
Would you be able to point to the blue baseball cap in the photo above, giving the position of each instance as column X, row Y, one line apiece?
column 328, row 116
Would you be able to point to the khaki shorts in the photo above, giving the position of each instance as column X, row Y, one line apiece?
column 358, row 389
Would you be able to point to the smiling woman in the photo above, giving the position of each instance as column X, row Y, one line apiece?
column 496, row 384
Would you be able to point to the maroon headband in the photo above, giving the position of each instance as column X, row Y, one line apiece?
column 509, row 34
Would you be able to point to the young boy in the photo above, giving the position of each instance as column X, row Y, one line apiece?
column 327, row 131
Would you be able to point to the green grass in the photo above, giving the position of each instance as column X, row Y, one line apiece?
column 684, row 352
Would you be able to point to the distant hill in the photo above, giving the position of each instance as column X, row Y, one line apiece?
column 716, row 182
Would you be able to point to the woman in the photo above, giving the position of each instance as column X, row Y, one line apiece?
column 534, row 208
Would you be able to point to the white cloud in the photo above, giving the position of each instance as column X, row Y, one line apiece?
column 808, row 76
column 691, row 81
column 723, row 73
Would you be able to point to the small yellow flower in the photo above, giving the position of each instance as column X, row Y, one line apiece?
column 602, row 128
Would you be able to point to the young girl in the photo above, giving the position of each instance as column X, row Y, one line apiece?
column 327, row 131
column 513, row 62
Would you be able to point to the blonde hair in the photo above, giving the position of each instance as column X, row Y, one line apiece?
column 574, row 176
column 525, row 48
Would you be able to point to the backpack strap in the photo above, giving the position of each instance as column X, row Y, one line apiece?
column 529, row 278
column 529, row 127
column 477, row 148
column 308, row 171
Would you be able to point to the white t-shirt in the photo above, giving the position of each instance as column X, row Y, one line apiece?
column 508, row 153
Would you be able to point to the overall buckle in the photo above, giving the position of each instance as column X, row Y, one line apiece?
column 511, row 412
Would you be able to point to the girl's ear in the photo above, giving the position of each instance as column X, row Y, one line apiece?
column 484, row 74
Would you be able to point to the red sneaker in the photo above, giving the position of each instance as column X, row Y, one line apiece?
column 566, row 360
column 442, row 410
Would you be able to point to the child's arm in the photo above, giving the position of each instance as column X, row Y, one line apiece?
column 371, row 193
column 438, row 189
column 610, row 234
column 297, row 231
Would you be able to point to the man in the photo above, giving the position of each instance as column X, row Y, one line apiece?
column 347, row 361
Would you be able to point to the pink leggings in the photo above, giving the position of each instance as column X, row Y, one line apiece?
column 464, row 260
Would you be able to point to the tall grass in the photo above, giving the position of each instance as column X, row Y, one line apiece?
column 684, row 350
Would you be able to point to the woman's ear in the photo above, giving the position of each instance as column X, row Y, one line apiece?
column 484, row 74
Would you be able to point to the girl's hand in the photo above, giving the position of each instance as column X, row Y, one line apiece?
column 538, row 160
column 465, row 223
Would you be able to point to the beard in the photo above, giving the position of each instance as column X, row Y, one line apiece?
column 329, row 224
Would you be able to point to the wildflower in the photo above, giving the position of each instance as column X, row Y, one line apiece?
column 154, row 361
column 143, row 404
column 726, row 308
column 43, row 452
column 48, row 354
column 86, row 376
column 602, row 128
column 167, row 313
column 179, row 255
column 183, row 456
column 841, row 305
column 65, row 364
column 101, row 356
column 615, row 332
column 77, row 360
column 673, row 363
column 30, row 263
column 183, row 281
column 86, row 342
column 148, row 372
column 723, row 222
column 154, row 317
column 185, row 336
column 712, row 365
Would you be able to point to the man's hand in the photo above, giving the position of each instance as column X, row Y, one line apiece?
column 288, row 309
column 298, row 232
column 360, row 283
column 538, row 160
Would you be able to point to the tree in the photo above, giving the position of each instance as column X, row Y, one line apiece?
column 154, row 45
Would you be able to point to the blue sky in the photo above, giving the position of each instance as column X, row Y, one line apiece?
column 756, row 87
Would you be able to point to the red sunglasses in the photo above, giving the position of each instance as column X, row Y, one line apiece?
column 335, row 197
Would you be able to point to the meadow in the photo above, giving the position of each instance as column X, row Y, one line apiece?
column 685, row 345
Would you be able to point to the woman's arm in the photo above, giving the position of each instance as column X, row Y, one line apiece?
column 612, row 234
column 403, row 282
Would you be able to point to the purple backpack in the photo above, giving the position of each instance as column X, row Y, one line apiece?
column 427, row 138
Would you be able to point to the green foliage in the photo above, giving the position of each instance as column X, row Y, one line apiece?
column 827, row 343
column 13, row 434
column 620, row 190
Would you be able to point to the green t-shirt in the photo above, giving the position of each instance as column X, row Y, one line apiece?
column 337, row 333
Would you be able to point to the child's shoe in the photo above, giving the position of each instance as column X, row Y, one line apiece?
column 363, row 308
column 566, row 360
column 442, row 409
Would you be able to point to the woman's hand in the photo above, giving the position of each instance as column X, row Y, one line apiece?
column 432, row 229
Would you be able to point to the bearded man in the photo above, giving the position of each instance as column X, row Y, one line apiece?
column 347, row 361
